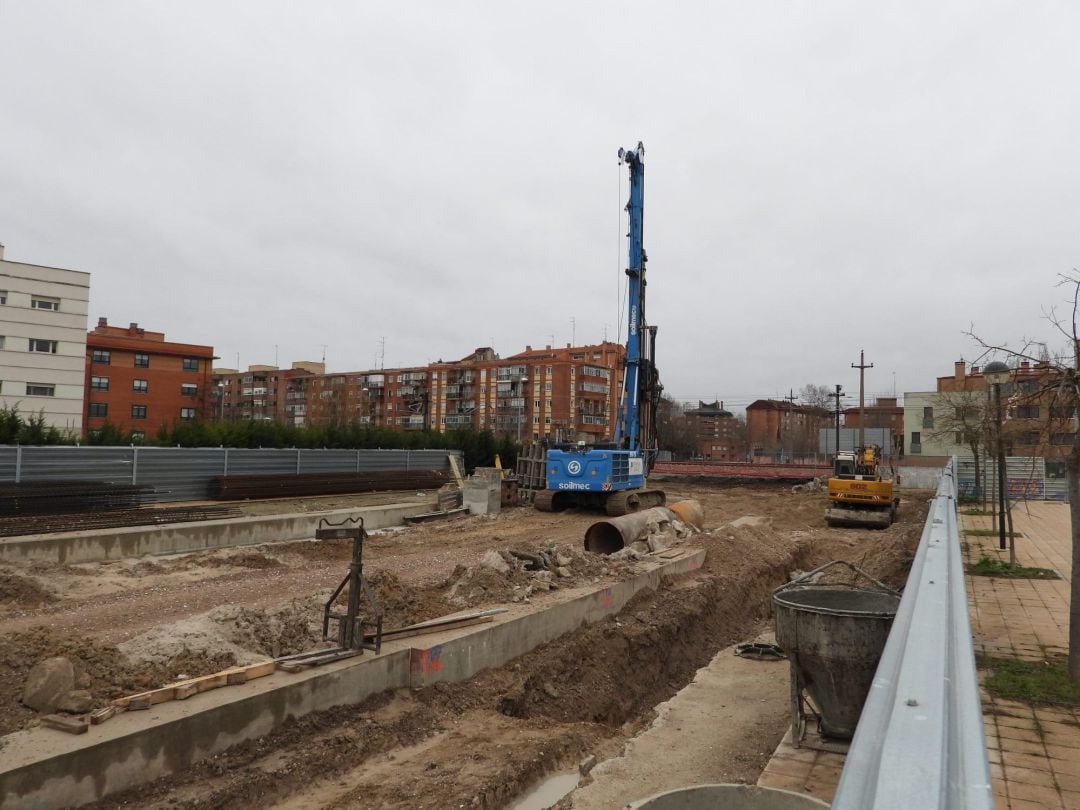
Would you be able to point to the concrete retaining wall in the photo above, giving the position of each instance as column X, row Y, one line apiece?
column 175, row 538
column 44, row 768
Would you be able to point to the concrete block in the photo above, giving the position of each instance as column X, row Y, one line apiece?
column 482, row 497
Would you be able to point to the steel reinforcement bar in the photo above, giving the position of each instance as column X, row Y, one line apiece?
column 920, row 740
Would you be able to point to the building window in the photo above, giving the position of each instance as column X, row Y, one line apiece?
column 142, row 360
column 138, row 411
column 187, row 413
column 916, row 441
column 40, row 302
column 1028, row 412
column 3, row 296
column 928, row 417
column 549, row 371
column 1062, row 438
column 40, row 390
column 44, row 346
column 191, row 364
column 99, row 409
column 101, row 356
column 188, row 389
column 140, row 386
column 99, row 383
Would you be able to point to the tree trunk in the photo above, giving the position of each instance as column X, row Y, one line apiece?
column 1073, row 464
column 1010, row 533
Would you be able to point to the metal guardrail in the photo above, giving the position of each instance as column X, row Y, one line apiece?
column 920, row 740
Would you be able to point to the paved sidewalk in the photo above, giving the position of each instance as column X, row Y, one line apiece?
column 1034, row 751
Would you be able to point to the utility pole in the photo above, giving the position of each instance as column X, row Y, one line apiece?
column 791, row 396
column 836, row 396
column 862, row 414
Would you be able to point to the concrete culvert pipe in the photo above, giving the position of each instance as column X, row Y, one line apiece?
column 615, row 534
column 728, row 797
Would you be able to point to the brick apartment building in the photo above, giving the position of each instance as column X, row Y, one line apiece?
column 139, row 382
column 718, row 434
column 883, row 413
column 561, row 394
column 558, row 394
column 264, row 393
column 780, row 428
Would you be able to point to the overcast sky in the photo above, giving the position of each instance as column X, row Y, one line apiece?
column 820, row 177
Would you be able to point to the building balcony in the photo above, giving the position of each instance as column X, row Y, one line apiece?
column 592, row 419
column 458, row 419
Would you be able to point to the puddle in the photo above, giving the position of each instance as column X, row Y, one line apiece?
column 547, row 793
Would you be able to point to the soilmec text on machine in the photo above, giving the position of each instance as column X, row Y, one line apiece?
column 859, row 495
column 613, row 478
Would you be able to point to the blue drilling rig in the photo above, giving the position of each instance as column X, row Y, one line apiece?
column 613, row 477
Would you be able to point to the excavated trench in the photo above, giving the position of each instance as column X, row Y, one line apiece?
column 484, row 742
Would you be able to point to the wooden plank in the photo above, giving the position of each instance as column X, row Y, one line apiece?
column 101, row 715
column 72, row 725
column 456, row 470
column 182, row 690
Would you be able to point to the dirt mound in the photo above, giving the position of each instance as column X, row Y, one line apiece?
column 101, row 668
column 516, row 572
column 404, row 604
column 16, row 589
column 244, row 634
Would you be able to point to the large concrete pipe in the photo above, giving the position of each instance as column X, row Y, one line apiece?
column 615, row 534
column 728, row 797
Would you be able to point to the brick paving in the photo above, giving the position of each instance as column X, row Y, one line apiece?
column 1034, row 752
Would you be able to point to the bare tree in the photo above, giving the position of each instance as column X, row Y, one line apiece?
column 816, row 396
column 1060, row 389
column 963, row 418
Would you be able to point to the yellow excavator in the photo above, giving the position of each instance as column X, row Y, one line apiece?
column 859, row 495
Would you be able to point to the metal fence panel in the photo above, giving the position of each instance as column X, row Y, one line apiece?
column 184, row 473
column 179, row 473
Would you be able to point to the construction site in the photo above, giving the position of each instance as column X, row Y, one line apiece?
column 562, row 659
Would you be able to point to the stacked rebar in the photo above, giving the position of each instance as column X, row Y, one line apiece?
column 243, row 487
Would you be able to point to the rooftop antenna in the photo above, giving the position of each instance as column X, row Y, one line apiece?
column 573, row 330
column 382, row 352
column 238, row 361
column 275, row 355
column 323, row 353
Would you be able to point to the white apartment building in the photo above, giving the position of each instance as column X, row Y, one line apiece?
column 43, row 341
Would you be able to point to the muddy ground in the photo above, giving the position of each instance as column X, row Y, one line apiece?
column 475, row 744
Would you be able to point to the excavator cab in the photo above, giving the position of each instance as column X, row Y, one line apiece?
column 858, row 495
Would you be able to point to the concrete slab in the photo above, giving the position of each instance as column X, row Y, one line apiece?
column 176, row 538
column 43, row 768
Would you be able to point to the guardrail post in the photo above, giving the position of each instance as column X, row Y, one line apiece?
column 18, row 464
column 357, row 459
column 134, row 465
column 297, row 460
column 408, row 460
column 225, row 463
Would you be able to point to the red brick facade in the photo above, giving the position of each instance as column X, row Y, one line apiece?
column 780, row 427
column 139, row 382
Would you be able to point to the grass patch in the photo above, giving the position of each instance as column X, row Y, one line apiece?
column 975, row 512
column 989, row 533
column 993, row 567
column 1039, row 682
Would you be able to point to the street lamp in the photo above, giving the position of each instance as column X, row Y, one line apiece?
column 221, row 400
column 997, row 373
